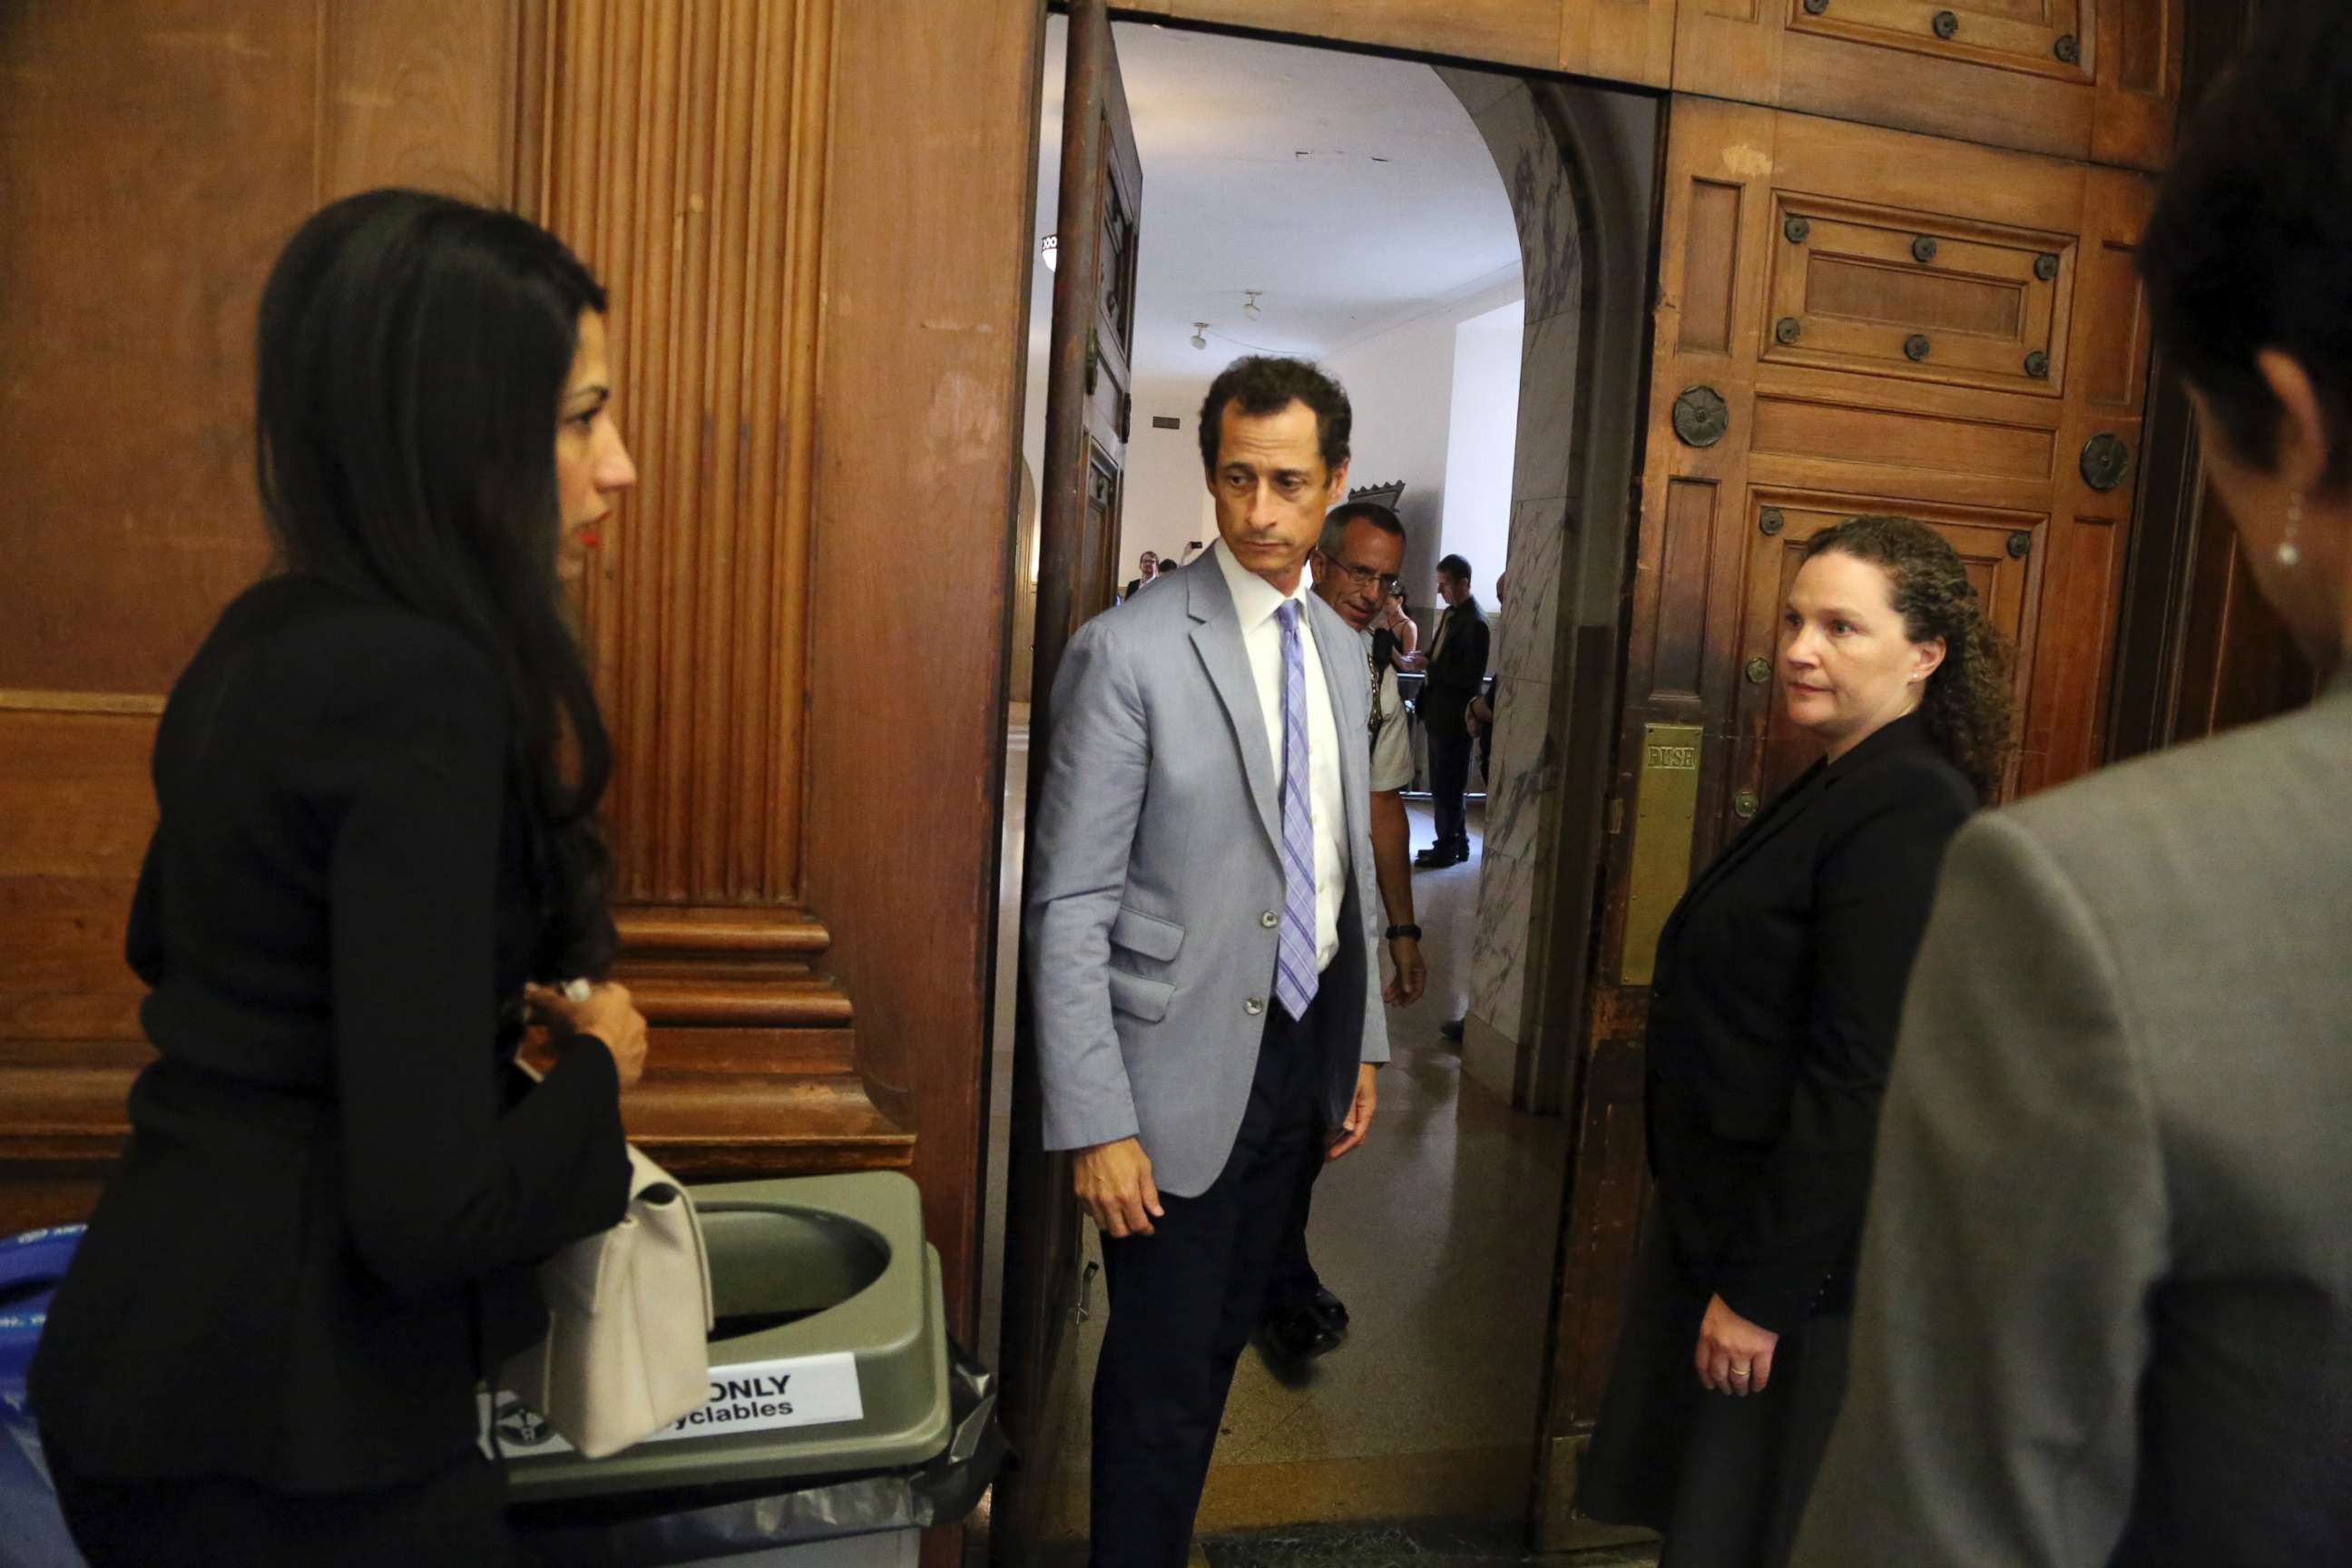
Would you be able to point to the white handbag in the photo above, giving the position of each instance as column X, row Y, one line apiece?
column 628, row 1349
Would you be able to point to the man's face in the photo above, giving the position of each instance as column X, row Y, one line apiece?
column 1356, row 583
column 1452, row 589
column 1272, row 489
column 1150, row 565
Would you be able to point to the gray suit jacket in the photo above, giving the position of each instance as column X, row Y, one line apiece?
column 1155, row 882
column 2106, row 1296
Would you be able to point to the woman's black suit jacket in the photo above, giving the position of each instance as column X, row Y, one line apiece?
column 322, row 1228
column 1773, row 1010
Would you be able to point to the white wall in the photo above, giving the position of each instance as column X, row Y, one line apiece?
column 1481, row 442
column 1403, row 384
column 1167, row 500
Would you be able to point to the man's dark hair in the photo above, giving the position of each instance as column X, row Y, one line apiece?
column 2247, row 247
column 1267, row 384
column 1454, row 566
column 1336, row 522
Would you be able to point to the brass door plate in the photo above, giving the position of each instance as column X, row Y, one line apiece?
column 1665, row 810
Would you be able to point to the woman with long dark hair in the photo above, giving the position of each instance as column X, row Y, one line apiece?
column 2105, row 1313
column 379, row 780
column 1773, row 1007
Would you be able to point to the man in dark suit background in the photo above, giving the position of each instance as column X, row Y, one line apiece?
column 1457, row 665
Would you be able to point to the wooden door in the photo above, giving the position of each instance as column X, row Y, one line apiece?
column 1851, row 319
column 1086, row 408
column 2079, row 78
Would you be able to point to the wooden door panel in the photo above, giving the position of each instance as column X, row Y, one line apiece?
column 1918, row 295
column 1080, row 493
column 2036, row 36
column 2001, row 77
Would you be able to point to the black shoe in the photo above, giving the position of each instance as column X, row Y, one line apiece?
column 1434, row 856
column 1293, row 1335
column 1452, row 1029
column 1331, row 1311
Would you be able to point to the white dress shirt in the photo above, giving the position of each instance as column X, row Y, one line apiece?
column 1255, row 600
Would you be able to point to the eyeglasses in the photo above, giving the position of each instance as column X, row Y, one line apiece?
column 1363, row 577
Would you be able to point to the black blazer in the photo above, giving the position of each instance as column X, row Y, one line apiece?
column 1773, row 1011
column 1458, row 669
column 320, row 1232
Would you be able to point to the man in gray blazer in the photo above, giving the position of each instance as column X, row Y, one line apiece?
column 2105, row 1292
column 1205, row 982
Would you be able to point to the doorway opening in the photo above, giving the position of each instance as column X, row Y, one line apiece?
column 1429, row 233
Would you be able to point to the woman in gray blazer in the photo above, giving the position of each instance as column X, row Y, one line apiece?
column 2106, row 1301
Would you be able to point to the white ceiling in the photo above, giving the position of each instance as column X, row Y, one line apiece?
column 1353, row 190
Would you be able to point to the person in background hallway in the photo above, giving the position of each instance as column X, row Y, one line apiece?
column 1457, row 665
column 1402, row 630
column 1146, row 568
column 1207, row 983
column 2105, row 1314
column 1356, row 564
column 1409, row 660
column 379, row 780
column 1778, row 984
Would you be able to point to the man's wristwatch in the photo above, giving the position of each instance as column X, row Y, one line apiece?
column 1411, row 931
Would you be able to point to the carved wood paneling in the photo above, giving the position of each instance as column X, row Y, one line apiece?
column 682, row 156
column 2079, row 78
column 1615, row 41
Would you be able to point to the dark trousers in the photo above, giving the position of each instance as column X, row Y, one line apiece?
column 458, row 1515
column 1724, row 1479
column 1183, row 1303
column 1295, row 1280
column 1449, row 775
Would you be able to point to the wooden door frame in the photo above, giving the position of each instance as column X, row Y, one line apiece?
column 2166, row 591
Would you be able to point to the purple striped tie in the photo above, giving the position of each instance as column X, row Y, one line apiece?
column 1295, row 975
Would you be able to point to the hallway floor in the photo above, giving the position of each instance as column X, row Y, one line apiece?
column 1439, row 1232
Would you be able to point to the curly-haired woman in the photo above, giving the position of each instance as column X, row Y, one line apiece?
column 1779, row 985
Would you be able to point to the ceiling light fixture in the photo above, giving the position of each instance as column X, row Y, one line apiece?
column 1198, row 340
column 1047, row 247
column 1250, row 309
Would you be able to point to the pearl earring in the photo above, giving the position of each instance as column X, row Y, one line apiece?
column 2290, row 554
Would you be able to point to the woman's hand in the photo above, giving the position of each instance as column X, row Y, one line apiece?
column 1734, row 1356
column 608, row 1014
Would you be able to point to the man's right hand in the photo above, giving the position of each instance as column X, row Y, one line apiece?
column 1114, row 1180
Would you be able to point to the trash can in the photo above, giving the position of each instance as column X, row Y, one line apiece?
column 32, row 1533
column 841, row 1421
